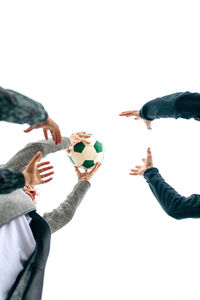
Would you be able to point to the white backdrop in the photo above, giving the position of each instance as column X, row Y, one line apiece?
column 86, row 61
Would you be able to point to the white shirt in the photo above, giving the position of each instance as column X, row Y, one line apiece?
column 17, row 244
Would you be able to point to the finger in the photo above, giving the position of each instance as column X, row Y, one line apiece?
column 84, row 135
column 43, row 164
column 127, row 112
column 35, row 158
column 80, row 132
column 47, row 180
column 138, row 167
column 45, row 169
column 29, row 129
column 58, row 136
column 136, row 118
column 45, row 130
column 95, row 168
column 85, row 141
column 53, row 135
column 143, row 159
column 46, row 175
column 133, row 174
column 134, row 170
column 149, row 127
column 77, row 170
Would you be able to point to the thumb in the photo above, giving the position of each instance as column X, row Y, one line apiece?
column 35, row 158
column 29, row 129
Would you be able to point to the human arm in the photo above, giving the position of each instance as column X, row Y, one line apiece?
column 10, row 181
column 32, row 175
column 64, row 213
column 179, row 105
column 17, row 108
column 174, row 204
column 20, row 160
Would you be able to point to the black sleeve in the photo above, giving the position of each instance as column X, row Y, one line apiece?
column 17, row 108
column 175, row 205
column 179, row 105
column 10, row 181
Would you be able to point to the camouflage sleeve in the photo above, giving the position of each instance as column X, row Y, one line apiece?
column 17, row 108
column 10, row 181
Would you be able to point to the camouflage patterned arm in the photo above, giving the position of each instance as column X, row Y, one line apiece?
column 10, row 181
column 20, row 109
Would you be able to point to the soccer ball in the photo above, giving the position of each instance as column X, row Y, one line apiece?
column 87, row 155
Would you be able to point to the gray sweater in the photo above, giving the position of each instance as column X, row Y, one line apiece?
column 18, row 203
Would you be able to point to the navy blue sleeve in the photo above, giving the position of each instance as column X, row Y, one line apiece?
column 175, row 205
column 20, row 109
column 10, row 181
column 179, row 105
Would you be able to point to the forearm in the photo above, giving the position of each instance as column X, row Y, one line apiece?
column 179, row 105
column 64, row 213
column 20, row 109
column 20, row 160
column 10, row 181
column 174, row 204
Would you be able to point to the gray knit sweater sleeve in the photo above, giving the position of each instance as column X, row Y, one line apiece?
column 64, row 213
column 20, row 160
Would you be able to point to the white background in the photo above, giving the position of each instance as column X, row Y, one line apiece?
column 87, row 61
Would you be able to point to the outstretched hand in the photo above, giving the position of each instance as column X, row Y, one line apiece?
column 148, row 163
column 137, row 116
column 86, row 176
column 77, row 138
column 34, row 174
column 52, row 127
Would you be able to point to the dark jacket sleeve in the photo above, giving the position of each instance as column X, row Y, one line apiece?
column 175, row 205
column 179, row 105
column 20, row 109
column 10, row 181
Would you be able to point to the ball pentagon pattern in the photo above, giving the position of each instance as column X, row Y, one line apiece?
column 87, row 155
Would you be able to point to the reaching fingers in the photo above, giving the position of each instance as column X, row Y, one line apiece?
column 46, row 175
column 80, row 132
column 85, row 141
column 95, row 168
column 148, row 124
column 77, row 170
column 130, row 113
column 149, row 155
column 43, row 164
column 45, row 130
column 56, row 135
column 45, row 169
column 29, row 129
column 47, row 180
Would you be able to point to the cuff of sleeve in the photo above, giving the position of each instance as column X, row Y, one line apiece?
column 21, row 180
column 150, row 172
column 143, row 113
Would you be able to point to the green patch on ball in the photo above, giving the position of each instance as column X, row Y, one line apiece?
column 79, row 147
column 88, row 164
